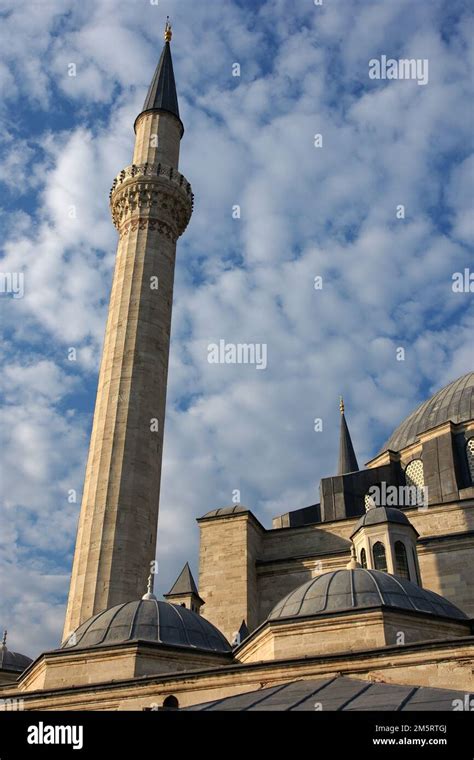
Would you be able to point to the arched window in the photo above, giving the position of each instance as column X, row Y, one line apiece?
column 401, row 561
column 369, row 501
column 170, row 703
column 470, row 457
column 380, row 560
column 374, row 496
column 363, row 558
column 414, row 473
column 415, row 479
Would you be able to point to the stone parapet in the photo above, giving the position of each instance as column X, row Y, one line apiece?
column 152, row 196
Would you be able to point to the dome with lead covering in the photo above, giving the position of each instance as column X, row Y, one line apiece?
column 380, row 515
column 226, row 511
column 13, row 661
column 454, row 402
column 344, row 590
column 149, row 620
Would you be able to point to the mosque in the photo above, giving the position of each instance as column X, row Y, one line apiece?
column 356, row 602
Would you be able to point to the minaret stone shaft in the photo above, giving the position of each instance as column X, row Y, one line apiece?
column 151, row 204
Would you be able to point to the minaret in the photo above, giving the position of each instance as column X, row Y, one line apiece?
column 151, row 204
column 347, row 458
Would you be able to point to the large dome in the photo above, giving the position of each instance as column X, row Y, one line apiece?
column 453, row 402
column 359, row 588
column 149, row 620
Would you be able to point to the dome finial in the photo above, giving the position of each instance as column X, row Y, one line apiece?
column 149, row 588
column 353, row 563
column 168, row 30
column 4, row 640
column 341, row 404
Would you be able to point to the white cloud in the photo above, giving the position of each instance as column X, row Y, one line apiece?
column 459, row 195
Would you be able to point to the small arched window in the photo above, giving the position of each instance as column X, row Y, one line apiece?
column 401, row 561
column 170, row 703
column 415, row 480
column 369, row 501
column 380, row 559
column 363, row 558
column 470, row 457
column 414, row 473
column 373, row 497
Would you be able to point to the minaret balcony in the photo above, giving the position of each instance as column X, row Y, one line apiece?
column 145, row 193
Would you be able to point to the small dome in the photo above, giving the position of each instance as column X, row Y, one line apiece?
column 149, row 620
column 13, row 660
column 379, row 515
column 226, row 511
column 453, row 402
column 359, row 588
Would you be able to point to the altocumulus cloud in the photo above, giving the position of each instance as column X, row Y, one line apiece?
column 304, row 212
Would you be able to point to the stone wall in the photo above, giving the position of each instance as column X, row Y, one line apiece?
column 288, row 557
column 350, row 631
column 227, row 571
column 446, row 664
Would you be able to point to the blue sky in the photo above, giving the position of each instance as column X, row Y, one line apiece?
column 305, row 212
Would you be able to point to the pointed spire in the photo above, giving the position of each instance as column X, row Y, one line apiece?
column 162, row 91
column 4, row 640
column 240, row 635
column 243, row 630
column 347, row 458
column 184, row 584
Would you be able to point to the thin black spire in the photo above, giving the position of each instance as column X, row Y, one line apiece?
column 162, row 94
column 347, row 458
column 243, row 630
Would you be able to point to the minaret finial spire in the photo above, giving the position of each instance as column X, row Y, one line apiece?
column 162, row 94
column 347, row 458
column 4, row 640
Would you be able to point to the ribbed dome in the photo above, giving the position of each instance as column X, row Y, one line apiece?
column 149, row 620
column 379, row 515
column 226, row 511
column 13, row 660
column 453, row 402
column 351, row 589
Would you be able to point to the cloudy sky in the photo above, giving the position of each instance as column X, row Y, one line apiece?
column 306, row 211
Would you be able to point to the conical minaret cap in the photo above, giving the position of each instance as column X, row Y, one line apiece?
column 347, row 458
column 162, row 95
